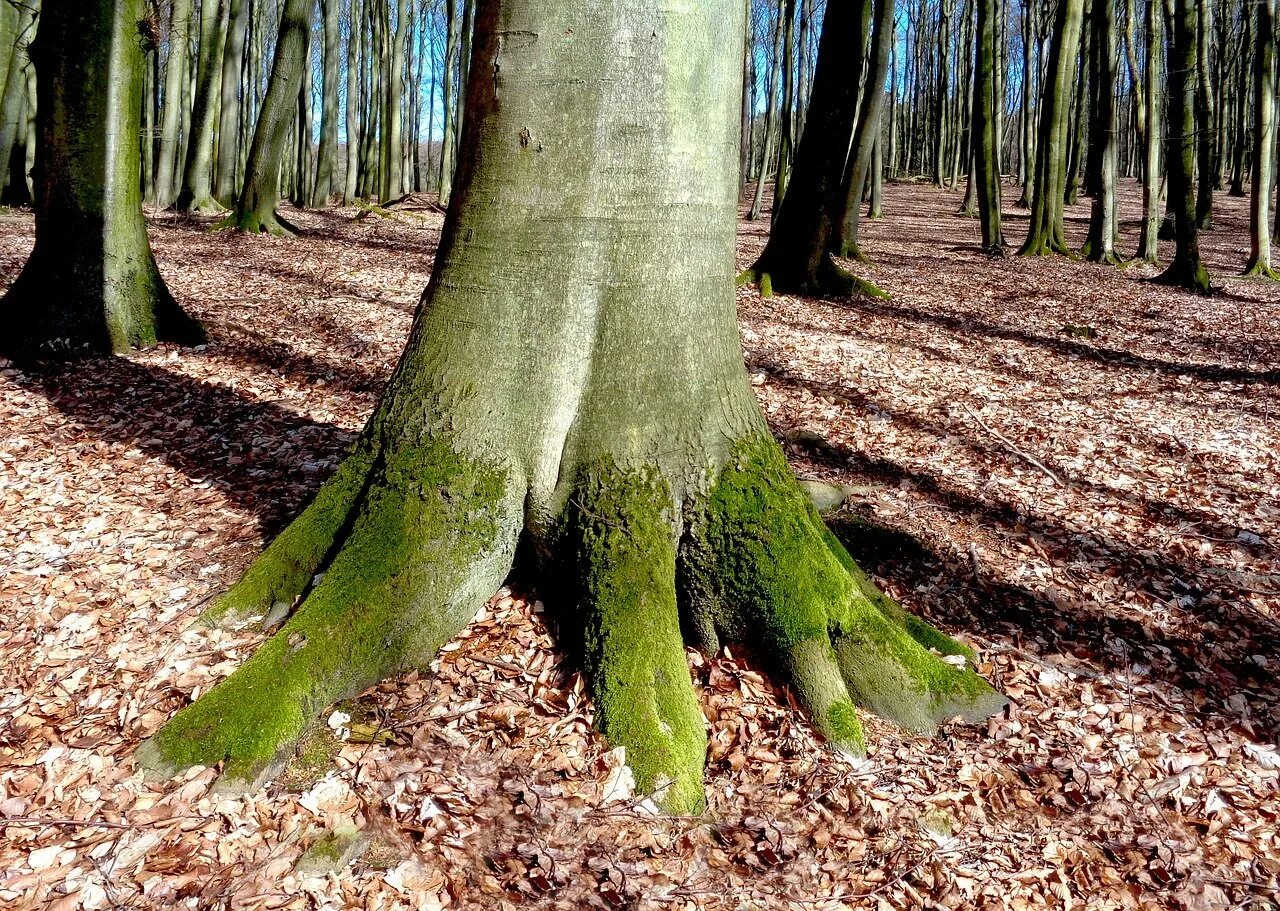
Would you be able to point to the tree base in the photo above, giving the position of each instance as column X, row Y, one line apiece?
column 270, row 222
column 204, row 205
column 1258, row 269
column 827, row 281
column 412, row 541
column 1188, row 274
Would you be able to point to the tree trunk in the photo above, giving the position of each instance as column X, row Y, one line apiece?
column 986, row 148
column 255, row 209
column 13, row 111
column 1100, row 245
column 175, row 97
column 90, row 284
column 1027, row 156
column 1243, row 77
column 327, row 156
column 1148, row 243
column 797, row 258
column 352, row 172
column 453, row 49
column 1206, row 135
column 1046, row 233
column 1186, row 270
column 786, row 115
column 775, row 82
column 864, row 137
column 550, row 421
column 197, row 174
column 229, row 113
column 1264, row 86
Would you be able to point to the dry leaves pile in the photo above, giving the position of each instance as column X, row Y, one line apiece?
column 1095, row 508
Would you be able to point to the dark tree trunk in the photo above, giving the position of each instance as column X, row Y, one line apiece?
column 91, row 284
column 797, row 258
column 1100, row 245
column 1186, row 270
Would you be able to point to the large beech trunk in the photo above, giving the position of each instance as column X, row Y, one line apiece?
column 1264, row 139
column 574, row 381
column 90, row 283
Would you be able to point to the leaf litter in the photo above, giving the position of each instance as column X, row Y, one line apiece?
column 1095, row 511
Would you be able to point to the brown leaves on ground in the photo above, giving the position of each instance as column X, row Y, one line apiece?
column 1096, row 511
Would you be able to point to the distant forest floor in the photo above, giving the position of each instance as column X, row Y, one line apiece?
column 1075, row 470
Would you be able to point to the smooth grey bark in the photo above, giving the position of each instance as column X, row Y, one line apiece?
column 1149, row 242
column 351, row 173
column 327, row 155
column 255, row 209
column 175, row 98
column 1264, row 140
column 197, row 174
column 986, row 165
column 1046, row 232
column 772, row 90
column 1206, row 131
column 229, row 106
column 13, row 110
column 90, row 284
column 453, row 50
column 544, row 398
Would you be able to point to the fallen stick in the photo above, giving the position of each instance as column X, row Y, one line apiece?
column 1009, row 443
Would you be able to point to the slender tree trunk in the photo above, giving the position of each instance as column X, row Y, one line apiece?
column 13, row 112
column 1027, row 160
column 875, row 202
column 255, row 209
column 419, row 526
column 868, row 127
column 775, row 82
column 1264, row 140
column 352, row 172
column 1245, row 75
column 175, row 96
column 797, row 258
column 986, row 154
column 1078, row 116
column 453, row 49
column 786, row 118
column 1148, row 243
column 91, row 284
column 1046, row 232
column 197, row 174
column 1186, row 270
column 1100, row 245
column 229, row 113
column 327, row 155
column 1206, row 137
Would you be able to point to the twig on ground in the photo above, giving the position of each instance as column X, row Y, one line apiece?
column 1009, row 443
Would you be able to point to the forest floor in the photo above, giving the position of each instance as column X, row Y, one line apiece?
column 1076, row 471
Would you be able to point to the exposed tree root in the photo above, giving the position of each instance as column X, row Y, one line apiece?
column 827, row 280
column 414, row 539
column 1188, row 275
column 271, row 222
column 1257, row 269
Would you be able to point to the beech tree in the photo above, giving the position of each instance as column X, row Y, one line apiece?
column 1046, row 232
column 91, row 283
column 986, row 156
column 574, row 381
column 255, row 208
column 1100, row 244
column 1186, row 270
column 1264, row 141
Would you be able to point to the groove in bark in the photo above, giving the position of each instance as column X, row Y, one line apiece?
column 542, row 398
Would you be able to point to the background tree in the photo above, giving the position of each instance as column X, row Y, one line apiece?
column 90, row 283
column 551, row 419
column 1264, row 140
column 1186, row 270
column 197, row 174
column 986, row 152
column 1100, row 244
